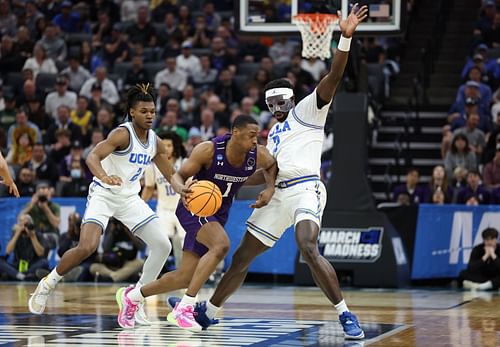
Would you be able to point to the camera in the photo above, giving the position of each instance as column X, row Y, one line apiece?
column 29, row 226
column 42, row 198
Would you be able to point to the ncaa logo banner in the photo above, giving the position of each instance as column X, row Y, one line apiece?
column 351, row 245
column 446, row 235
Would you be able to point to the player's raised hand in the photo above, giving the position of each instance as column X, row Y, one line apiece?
column 112, row 180
column 12, row 186
column 349, row 25
column 263, row 198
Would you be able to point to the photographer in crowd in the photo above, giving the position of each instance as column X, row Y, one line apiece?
column 29, row 251
column 45, row 214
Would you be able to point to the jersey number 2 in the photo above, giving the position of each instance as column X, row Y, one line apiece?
column 137, row 174
column 276, row 140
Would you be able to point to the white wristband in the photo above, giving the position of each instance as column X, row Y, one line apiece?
column 344, row 44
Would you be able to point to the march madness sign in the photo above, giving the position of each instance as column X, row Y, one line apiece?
column 351, row 245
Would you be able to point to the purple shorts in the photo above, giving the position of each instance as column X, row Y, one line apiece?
column 192, row 224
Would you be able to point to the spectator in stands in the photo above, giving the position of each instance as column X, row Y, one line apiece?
column 188, row 105
column 472, row 89
column 116, row 47
column 106, row 6
column 61, row 96
column 252, row 50
column 459, row 155
column 491, row 172
column 54, row 44
column 136, row 74
column 70, row 239
column 96, row 137
column 77, row 184
column 104, row 121
column 267, row 64
column 162, row 8
column 248, row 108
column 169, row 123
column 439, row 184
column 227, row 90
column 76, row 73
column 30, row 92
column 219, row 109
column 31, row 16
column 487, row 65
column 170, row 36
column 476, row 137
column 7, row 116
column 207, row 76
column 96, row 101
column 69, row 21
column 282, row 50
column 142, row 31
column 63, row 121
column 485, row 21
column 208, row 126
column 373, row 52
column 10, row 57
column 194, row 139
column 82, row 117
column 23, row 126
column 219, row 57
column 26, row 182
column 43, row 166
column 171, row 75
column 88, row 59
column 101, row 30
column 29, row 251
column 21, row 150
column 188, row 62
column 119, row 261
column 40, row 62
column 45, row 214
column 474, row 193
column 304, row 78
column 416, row 193
column 492, row 35
column 483, row 270
column 162, row 98
column 316, row 67
column 211, row 17
column 24, row 44
column 61, row 147
column 109, row 92
column 8, row 22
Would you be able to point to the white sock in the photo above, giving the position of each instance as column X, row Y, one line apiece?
column 485, row 286
column 188, row 300
column 212, row 310
column 20, row 276
column 135, row 295
column 53, row 278
column 341, row 307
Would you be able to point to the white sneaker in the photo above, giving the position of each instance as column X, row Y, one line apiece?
column 38, row 299
column 140, row 315
column 470, row 285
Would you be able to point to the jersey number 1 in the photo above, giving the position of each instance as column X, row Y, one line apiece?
column 228, row 189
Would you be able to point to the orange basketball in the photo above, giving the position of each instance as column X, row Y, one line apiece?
column 205, row 200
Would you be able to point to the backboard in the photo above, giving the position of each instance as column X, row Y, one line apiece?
column 274, row 17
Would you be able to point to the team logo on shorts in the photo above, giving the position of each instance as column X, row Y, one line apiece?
column 351, row 245
column 250, row 164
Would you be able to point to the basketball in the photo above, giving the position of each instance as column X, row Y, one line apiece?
column 205, row 200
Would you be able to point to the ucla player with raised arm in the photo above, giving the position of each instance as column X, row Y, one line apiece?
column 117, row 164
column 166, row 195
column 296, row 143
column 228, row 161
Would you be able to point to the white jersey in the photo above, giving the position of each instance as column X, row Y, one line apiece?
column 129, row 164
column 167, row 197
column 297, row 143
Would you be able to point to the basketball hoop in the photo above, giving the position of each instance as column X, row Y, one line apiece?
column 316, row 30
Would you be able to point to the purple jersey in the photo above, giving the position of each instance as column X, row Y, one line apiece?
column 228, row 178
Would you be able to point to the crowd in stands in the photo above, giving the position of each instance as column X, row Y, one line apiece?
column 470, row 147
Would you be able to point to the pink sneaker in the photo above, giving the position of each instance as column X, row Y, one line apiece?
column 126, row 316
column 183, row 315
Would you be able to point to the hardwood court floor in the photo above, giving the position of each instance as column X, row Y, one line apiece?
column 84, row 315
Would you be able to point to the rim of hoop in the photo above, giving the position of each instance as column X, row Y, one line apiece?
column 315, row 17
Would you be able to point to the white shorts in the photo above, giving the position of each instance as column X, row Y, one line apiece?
column 170, row 223
column 130, row 210
column 288, row 206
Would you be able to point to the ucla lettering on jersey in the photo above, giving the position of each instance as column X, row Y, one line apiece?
column 130, row 163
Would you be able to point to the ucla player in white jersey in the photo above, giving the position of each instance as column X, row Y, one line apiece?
column 296, row 143
column 117, row 164
column 167, row 197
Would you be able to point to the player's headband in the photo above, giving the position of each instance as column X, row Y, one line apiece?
column 279, row 100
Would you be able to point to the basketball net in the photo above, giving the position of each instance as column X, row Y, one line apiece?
column 316, row 30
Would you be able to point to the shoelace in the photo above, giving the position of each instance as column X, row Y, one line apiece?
column 188, row 311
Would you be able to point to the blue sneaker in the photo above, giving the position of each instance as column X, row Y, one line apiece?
column 200, row 312
column 351, row 327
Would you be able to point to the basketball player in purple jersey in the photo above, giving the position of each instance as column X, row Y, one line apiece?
column 227, row 161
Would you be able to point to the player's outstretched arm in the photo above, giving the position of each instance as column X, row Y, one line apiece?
column 269, row 168
column 200, row 157
column 7, row 179
column 328, row 85
column 162, row 162
column 118, row 139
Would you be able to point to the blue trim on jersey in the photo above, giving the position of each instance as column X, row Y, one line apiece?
column 308, row 211
column 100, row 185
column 129, row 148
column 145, row 146
column 318, row 127
column 261, row 231
column 93, row 220
column 143, row 223
column 298, row 180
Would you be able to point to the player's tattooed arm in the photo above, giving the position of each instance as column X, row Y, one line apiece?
column 162, row 162
column 200, row 157
column 269, row 168
column 118, row 139
column 328, row 85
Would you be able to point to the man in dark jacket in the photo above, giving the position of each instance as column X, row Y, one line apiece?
column 483, row 270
